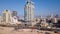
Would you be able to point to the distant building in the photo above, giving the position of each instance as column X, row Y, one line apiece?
column 56, row 16
column 29, row 11
column 0, row 19
column 14, row 13
column 6, row 16
column 56, row 21
column 14, row 20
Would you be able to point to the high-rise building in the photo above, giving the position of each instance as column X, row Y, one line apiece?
column 14, row 13
column 6, row 16
column 29, row 11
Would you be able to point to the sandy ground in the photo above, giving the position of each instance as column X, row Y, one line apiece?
column 10, row 30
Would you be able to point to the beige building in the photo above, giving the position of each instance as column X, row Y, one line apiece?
column 0, row 19
column 14, row 20
column 6, row 16
column 55, row 20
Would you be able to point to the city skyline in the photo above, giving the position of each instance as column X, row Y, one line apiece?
column 42, row 7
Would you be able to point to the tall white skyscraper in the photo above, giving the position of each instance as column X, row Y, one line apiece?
column 29, row 11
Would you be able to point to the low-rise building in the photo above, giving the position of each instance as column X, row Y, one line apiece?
column 0, row 19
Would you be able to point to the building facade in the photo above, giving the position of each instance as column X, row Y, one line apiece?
column 6, row 16
column 29, row 11
column 14, row 13
column 0, row 19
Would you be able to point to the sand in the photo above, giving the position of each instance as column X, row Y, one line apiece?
column 11, row 30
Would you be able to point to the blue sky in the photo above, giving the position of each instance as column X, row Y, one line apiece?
column 42, row 7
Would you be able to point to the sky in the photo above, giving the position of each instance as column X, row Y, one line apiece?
column 42, row 7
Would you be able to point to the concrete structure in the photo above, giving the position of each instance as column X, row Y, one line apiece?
column 0, row 19
column 6, row 16
column 10, row 18
column 29, row 11
column 14, row 20
column 14, row 13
